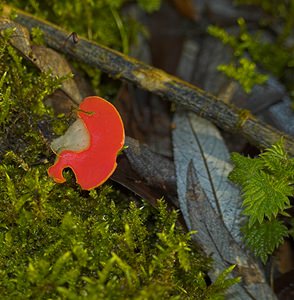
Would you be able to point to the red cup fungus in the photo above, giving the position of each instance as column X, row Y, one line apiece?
column 94, row 164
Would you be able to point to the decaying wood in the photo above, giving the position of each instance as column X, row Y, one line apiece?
column 147, row 173
column 120, row 66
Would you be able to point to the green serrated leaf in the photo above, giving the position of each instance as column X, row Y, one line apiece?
column 266, row 185
column 245, row 168
column 265, row 196
column 264, row 238
column 276, row 157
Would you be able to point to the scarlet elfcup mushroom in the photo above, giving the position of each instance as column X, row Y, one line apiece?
column 93, row 165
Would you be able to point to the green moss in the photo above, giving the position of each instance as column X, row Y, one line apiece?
column 23, row 113
column 245, row 73
column 37, row 36
column 274, row 57
column 149, row 5
column 60, row 242
column 244, row 115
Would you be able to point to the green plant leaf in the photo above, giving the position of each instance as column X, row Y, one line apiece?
column 245, row 168
column 277, row 160
column 265, row 196
column 266, row 185
column 264, row 238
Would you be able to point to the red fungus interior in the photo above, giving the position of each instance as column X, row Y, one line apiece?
column 95, row 164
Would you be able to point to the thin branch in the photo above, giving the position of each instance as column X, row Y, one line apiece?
column 123, row 67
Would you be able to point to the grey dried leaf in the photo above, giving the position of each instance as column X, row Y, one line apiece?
column 50, row 60
column 217, row 241
column 20, row 38
column 197, row 141
column 224, row 11
column 205, row 57
column 211, row 205
column 281, row 115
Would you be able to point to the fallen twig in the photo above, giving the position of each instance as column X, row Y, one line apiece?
column 120, row 66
